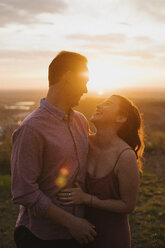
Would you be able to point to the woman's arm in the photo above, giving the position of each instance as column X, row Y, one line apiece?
column 128, row 178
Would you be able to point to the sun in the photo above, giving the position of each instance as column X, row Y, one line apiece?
column 108, row 75
column 100, row 92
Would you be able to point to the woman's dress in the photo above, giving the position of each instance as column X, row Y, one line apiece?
column 112, row 228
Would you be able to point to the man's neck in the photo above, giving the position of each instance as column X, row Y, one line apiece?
column 56, row 97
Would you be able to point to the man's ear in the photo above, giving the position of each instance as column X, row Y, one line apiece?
column 121, row 119
column 68, row 76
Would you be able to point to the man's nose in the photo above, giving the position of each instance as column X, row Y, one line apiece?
column 85, row 89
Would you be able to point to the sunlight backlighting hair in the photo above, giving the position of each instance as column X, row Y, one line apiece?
column 132, row 130
column 63, row 62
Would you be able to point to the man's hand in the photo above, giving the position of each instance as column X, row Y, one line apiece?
column 82, row 231
column 74, row 196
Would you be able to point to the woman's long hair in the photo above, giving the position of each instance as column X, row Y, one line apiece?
column 132, row 130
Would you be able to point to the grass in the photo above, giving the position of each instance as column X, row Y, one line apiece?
column 147, row 221
column 8, row 213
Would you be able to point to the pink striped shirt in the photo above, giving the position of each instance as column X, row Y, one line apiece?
column 49, row 150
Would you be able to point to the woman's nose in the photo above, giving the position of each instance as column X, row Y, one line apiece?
column 99, row 105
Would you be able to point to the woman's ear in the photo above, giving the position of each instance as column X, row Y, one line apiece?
column 121, row 119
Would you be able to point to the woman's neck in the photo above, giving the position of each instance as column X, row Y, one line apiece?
column 106, row 137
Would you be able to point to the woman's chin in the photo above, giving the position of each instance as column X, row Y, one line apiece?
column 94, row 119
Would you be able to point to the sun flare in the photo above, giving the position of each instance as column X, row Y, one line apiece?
column 100, row 92
column 106, row 75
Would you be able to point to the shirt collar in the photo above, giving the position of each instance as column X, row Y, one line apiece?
column 58, row 113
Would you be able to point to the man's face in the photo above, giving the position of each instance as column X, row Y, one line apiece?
column 77, row 86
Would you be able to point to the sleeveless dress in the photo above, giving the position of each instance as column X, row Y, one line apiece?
column 113, row 230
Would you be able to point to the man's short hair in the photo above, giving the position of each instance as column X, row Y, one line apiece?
column 63, row 62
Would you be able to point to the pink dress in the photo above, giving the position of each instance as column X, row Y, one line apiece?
column 112, row 228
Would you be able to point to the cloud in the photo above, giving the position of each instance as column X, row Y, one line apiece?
column 143, row 54
column 117, row 45
column 153, row 8
column 124, row 23
column 96, row 46
column 144, row 39
column 103, row 38
column 24, row 12
column 26, row 55
column 160, row 49
column 156, row 9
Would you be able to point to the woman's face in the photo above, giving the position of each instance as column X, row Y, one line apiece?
column 107, row 112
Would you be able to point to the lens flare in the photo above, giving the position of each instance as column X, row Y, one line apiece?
column 60, row 182
column 64, row 171
column 62, row 178
column 19, row 122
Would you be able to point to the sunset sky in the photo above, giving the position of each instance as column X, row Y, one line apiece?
column 124, row 41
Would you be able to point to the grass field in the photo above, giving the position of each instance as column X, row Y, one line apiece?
column 147, row 221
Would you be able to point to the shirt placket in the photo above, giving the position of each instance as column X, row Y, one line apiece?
column 75, row 147
column 76, row 152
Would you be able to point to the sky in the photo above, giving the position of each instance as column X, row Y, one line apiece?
column 124, row 41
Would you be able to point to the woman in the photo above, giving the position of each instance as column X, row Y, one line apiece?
column 114, row 163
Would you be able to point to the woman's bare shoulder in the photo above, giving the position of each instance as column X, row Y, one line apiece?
column 127, row 162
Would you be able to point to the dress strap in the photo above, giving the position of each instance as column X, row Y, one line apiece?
column 127, row 148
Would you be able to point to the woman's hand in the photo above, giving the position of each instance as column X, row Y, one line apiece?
column 73, row 196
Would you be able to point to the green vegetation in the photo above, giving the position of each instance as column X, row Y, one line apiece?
column 155, row 141
column 8, row 213
column 5, row 153
column 147, row 221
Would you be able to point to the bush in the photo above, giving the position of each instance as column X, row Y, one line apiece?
column 155, row 141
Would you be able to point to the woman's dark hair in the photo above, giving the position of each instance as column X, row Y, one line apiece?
column 132, row 130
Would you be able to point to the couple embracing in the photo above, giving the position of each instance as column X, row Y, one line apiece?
column 76, row 189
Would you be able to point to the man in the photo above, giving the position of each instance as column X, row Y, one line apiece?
column 49, row 153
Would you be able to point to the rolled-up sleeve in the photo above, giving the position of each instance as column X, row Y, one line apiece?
column 26, row 166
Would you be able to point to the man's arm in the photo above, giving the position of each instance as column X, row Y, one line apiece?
column 26, row 166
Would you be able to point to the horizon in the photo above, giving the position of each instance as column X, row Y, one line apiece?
column 152, row 94
column 149, row 89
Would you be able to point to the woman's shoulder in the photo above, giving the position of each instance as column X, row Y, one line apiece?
column 127, row 160
column 127, row 153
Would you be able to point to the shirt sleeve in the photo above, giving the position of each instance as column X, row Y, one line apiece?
column 26, row 166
